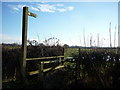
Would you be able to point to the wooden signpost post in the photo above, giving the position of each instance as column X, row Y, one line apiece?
column 26, row 13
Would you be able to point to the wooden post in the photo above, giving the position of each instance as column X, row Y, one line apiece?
column 60, row 62
column 40, row 75
column 78, row 65
column 24, row 42
column 118, row 50
column 63, row 55
column 57, row 62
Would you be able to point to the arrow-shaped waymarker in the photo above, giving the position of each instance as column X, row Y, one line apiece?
column 32, row 14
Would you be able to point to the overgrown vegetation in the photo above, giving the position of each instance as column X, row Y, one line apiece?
column 99, row 68
column 11, row 56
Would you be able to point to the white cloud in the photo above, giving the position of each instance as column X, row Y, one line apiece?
column 34, row 9
column 61, row 10
column 50, row 8
column 53, row 8
column 60, row 5
column 13, row 7
column 20, row 6
column 70, row 8
column 16, row 8
column 46, row 8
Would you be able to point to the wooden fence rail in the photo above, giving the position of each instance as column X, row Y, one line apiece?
column 46, row 60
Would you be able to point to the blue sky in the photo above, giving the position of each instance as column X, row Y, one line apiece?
column 63, row 20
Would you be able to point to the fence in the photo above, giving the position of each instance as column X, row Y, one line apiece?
column 87, row 61
column 58, row 60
